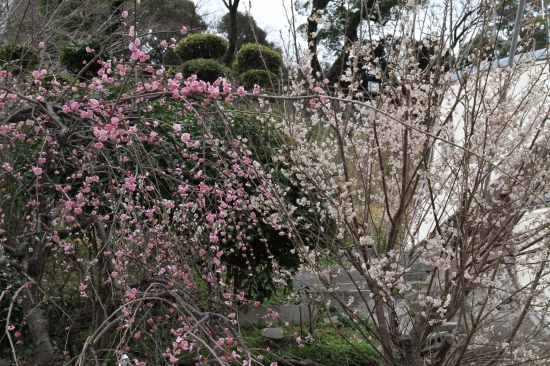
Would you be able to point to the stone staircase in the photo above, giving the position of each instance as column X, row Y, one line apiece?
column 346, row 284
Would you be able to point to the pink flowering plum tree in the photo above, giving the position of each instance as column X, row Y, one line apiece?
column 133, row 214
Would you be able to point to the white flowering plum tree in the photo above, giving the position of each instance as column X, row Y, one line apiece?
column 433, row 215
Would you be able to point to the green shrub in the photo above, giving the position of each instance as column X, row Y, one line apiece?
column 20, row 56
column 74, row 54
column 257, row 57
column 205, row 69
column 197, row 46
column 261, row 77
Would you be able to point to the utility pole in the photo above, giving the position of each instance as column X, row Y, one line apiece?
column 517, row 28
column 543, row 6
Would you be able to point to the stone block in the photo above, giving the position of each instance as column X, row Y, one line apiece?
column 273, row 333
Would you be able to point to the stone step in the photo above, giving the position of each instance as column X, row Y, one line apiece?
column 416, row 275
column 345, row 276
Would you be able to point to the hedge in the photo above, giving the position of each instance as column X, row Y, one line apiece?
column 22, row 56
column 74, row 54
column 205, row 69
column 261, row 77
column 205, row 46
column 257, row 57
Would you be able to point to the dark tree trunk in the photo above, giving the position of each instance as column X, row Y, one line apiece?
column 38, row 325
column 116, row 15
column 232, row 6
column 312, row 41
column 351, row 36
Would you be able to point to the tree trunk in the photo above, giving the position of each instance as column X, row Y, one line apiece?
column 311, row 40
column 350, row 37
column 38, row 326
column 232, row 7
column 116, row 15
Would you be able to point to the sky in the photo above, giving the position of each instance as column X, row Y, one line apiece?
column 269, row 14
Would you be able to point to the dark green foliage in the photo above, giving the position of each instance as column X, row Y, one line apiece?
column 250, row 271
column 74, row 54
column 17, row 57
column 167, row 17
column 205, row 69
column 170, row 58
column 197, row 46
column 248, row 30
column 10, row 279
column 261, row 77
column 257, row 57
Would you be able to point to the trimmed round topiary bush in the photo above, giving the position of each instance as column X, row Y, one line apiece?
column 205, row 69
column 205, row 46
column 257, row 57
column 74, row 54
column 261, row 77
column 19, row 56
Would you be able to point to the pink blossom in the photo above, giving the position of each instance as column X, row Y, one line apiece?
column 89, row 50
column 17, row 334
column 124, row 14
column 185, row 137
column 69, row 218
column 94, row 103
column 241, row 91
column 325, row 81
column 137, row 335
column 183, row 30
column 36, row 170
column 11, row 327
column 41, row 45
column 98, row 145
column 256, row 89
column 82, row 287
column 176, row 127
